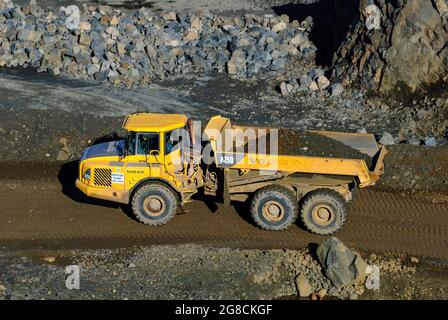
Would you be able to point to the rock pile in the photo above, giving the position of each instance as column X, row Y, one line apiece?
column 409, row 47
column 314, row 80
column 337, row 271
column 132, row 47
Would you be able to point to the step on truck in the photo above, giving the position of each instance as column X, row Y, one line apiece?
column 163, row 162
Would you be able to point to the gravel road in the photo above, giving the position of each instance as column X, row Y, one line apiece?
column 42, row 208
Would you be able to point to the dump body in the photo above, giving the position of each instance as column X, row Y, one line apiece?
column 227, row 154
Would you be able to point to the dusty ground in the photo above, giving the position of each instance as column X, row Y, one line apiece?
column 416, row 168
column 42, row 208
column 34, row 104
column 201, row 272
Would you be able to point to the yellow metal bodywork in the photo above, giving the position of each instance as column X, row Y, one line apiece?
column 139, row 167
column 134, row 169
column 301, row 164
column 154, row 122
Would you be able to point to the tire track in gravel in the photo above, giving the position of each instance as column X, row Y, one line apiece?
column 36, row 213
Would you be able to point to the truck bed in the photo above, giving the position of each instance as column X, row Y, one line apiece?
column 317, row 152
column 293, row 142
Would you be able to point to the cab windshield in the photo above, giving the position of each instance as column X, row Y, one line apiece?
column 142, row 142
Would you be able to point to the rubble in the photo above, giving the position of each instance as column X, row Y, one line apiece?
column 414, row 141
column 64, row 153
column 319, row 295
column 303, row 286
column 430, row 142
column 50, row 259
column 314, row 80
column 322, row 82
column 2, row 289
column 313, row 86
column 204, row 266
column 414, row 259
column 73, row 18
column 286, row 88
column 132, row 47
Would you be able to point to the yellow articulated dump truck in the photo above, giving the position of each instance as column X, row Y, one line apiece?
column 165, row 159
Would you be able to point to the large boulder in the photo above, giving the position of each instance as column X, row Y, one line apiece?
column 340, row 264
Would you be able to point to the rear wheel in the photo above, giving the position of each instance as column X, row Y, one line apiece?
column 154, row 203
column 323, row 211
column 274, row 208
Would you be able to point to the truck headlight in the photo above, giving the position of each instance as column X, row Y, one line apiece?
column 87, row 174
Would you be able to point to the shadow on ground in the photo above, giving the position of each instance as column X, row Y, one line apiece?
column 67, row 175
column 332, row 20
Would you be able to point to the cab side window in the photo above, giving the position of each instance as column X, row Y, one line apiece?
column 172, row 139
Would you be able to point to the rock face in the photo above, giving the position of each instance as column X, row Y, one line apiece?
column 410, row 47
column 341, row 265
column 132, row 47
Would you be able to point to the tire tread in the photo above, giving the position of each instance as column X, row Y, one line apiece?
column 285, row 192
column 140, row 190
column 314, row 196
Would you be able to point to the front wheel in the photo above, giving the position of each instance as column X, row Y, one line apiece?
column 154, row 203
column 274, row 208
column 323, row 211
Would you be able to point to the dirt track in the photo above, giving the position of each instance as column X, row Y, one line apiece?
column 37, row 211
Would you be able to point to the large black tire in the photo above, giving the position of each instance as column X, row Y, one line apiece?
column 274, row 208
column 154, row 203
column 323, row 211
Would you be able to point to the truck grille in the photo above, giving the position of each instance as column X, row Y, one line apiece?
column 102, row 177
